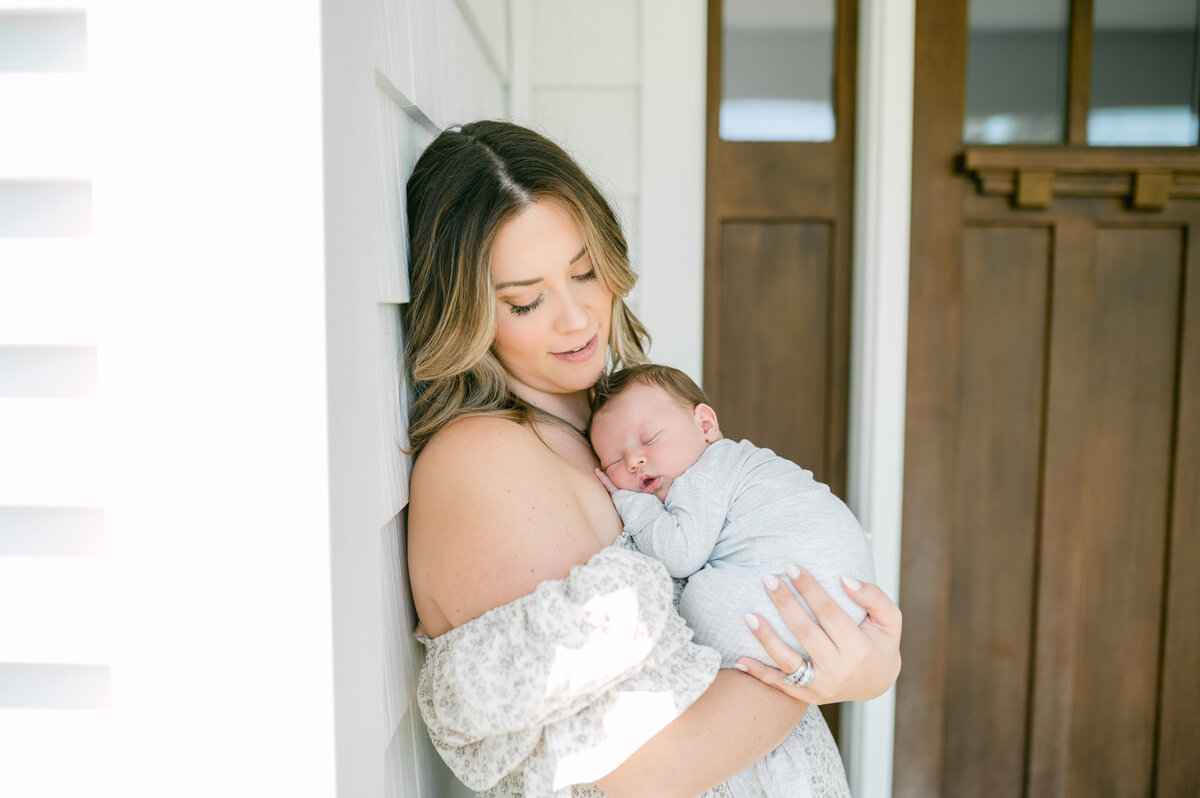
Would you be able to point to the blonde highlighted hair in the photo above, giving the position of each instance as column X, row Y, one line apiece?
column 467, row 184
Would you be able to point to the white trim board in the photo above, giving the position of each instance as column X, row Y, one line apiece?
column 879, row 340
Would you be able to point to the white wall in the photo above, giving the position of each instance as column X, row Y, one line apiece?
column 621, row 86
column 395, row 73
column 201, row 491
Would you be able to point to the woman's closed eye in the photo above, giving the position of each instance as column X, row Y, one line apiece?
column 590, row 274
column 521, row 310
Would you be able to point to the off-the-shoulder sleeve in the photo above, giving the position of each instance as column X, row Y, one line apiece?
column 561, row 686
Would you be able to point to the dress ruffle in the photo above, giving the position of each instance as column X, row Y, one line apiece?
column 545, row 694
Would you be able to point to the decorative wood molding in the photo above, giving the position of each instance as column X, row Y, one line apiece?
column 1033, row 176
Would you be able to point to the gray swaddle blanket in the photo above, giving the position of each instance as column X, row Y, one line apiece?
column 739, row 513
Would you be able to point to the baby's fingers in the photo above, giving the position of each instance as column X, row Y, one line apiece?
column 605, row 481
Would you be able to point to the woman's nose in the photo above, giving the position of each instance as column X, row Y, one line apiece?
column 572, row 314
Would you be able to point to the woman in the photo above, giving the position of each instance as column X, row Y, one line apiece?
column 542, row 635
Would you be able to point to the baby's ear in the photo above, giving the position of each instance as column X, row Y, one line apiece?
column 706, row 417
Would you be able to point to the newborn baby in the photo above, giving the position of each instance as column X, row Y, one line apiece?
column 721, row 514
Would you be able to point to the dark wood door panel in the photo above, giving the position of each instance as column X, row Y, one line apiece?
column 1052, row 460
column 761, row 179
column 1002, row 345
column 775, row 336
column 1106, row 482
column 1178, row 762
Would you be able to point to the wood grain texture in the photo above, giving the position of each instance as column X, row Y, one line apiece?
column 1079, row 70
column 1178, row 766
column 996, row 499
column 931, row 401
column 774, row 342
column 1106, row 490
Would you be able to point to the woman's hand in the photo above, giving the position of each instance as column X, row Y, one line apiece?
column 852, row 662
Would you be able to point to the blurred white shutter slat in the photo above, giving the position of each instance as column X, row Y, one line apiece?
column 45, row 134
column 56, row 632
column 55, row 610
column 50, row 453
column 48, row 292
column 55, row 752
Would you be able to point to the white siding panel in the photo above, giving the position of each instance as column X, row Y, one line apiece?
column 55, row 609
column 400, row 762
column 55, row 752
column 491, row 22
column 582, row 43
column 45, row 134
column 600, row 128
column 627, row 208
column 49, row 453
column 402, row 661
column 550, row 59
column 455, row 82
column 393, row 55
column 394, row 156
column 393, row 412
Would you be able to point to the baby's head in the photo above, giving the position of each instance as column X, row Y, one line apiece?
column 650, row 424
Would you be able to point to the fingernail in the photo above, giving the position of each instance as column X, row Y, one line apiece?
column 752, row 621
column 741, row 667
column 793, row 572
column 771, row 582
column 852, row 583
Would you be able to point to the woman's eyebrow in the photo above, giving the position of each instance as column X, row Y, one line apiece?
column 532, row 280
column 512, row 283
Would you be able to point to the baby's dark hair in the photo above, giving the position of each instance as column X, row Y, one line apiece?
column 678, row 385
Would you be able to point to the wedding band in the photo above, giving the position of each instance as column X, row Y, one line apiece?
column 802, row 676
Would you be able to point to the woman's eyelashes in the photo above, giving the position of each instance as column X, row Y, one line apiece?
column 521, row 310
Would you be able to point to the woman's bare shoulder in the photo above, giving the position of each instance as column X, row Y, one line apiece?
column 492, row 514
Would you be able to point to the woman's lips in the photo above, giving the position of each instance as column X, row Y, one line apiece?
column 583, row 354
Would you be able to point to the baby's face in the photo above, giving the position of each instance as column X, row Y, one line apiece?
column 645, row 438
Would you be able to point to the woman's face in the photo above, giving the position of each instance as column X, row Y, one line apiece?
column 553, row 309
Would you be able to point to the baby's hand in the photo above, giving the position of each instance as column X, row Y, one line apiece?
column 605, row 481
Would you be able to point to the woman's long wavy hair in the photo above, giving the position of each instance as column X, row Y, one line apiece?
column 465, row 186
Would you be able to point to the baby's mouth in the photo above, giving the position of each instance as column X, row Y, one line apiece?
column 648, row 484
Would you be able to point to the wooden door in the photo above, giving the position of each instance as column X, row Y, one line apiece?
column 1052, row 477
column 777, row 274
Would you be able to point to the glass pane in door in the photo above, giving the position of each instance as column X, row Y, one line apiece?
column 777, row 71
column 1016, row 72
column 1143, row 73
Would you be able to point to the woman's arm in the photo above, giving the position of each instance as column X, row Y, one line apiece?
column 734, row 724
